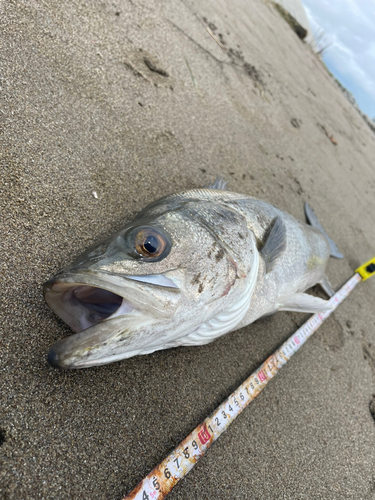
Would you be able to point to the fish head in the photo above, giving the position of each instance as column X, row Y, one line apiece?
column 149, row 285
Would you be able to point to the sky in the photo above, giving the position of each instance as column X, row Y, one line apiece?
column 350, row 26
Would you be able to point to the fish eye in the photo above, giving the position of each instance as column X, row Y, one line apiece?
column 150, row 243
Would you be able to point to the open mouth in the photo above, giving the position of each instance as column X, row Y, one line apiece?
column 82, row 306
column 103, row 320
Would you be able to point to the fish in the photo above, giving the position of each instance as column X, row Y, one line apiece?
column 188, row 269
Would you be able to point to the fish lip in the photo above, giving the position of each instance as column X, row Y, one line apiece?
column 88, row 347
column 94, row 346
column 57, row 360
column 54, row 360
column 87, row 276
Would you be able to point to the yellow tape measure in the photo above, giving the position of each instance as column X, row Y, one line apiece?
column 366, row 270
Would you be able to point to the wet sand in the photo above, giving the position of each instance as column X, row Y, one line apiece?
column 81, row 111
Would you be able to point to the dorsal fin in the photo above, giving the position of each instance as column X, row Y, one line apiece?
column 275, row 243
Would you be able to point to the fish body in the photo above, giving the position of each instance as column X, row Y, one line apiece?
column 189, row 268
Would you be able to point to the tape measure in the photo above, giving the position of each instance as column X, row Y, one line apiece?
column 166, row 475
column 366, row 270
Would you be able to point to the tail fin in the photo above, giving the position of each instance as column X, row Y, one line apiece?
column 313, row 221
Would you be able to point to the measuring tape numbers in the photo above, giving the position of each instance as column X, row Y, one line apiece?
column 166, row 475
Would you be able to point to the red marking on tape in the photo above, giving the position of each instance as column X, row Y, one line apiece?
column 297, row 340
column 262, row 376
column 204, row 436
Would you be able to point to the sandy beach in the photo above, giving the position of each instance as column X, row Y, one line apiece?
column 132, row 101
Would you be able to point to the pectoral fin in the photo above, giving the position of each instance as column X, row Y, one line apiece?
column 303, row 302
column 275, row 243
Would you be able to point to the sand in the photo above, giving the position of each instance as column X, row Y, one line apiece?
column 82, row 112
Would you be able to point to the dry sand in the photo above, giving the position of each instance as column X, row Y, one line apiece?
column 82, row 112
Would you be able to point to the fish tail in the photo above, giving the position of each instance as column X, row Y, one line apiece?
column 313, row 221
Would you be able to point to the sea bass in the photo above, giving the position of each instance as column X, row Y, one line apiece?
column 189, row 268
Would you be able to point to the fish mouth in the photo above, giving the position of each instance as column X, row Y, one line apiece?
column 82, row 306
column 97, row 309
